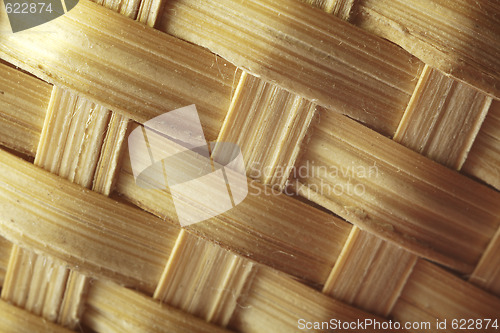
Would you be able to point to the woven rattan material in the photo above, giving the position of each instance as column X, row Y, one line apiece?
column 370, row 132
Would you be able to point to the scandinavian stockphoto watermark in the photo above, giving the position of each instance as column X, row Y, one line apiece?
column 26, row 14
column 205, row 180
column 329, row 180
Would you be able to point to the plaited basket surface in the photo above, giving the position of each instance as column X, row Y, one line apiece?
column 367, row 186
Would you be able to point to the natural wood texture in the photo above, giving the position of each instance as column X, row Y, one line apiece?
column 276, row 303
column 35, row 283
column 269, row 125
column 72, row 137
column 110, row 155
column 483, row 161
column 305, row 50
column 442, row 118
column 128, row 8
column 370, row 273
column 342, row 9
column 432, row 293
column 408, row 199
column 16, row 320
column 98, row 235
column 23, row 102
column 5, row 249
column 146, row 72
column 113, row 308
column 73, row 302
column 487, row 272
column 304, row 243
column 203, row 279
column 458, row 37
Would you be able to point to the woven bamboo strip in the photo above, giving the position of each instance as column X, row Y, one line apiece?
column 5, row 249
column 146, row 72
column 128, row 8
column 23, row 102
column 113, row 308
column 35, row 283
column 14, row 319
column 276, row 303
column 442, row 118
column 483, row 161
column 370, row 273
column 269, row 125
column 261, row 227
column 433, row 293
column 72, row 137
column 72, row 305
column 110, row 155
column 85, row 229
column 338, row 60
column 487, row 272
column 438, row 213
column 203, row 279
column 458, row 37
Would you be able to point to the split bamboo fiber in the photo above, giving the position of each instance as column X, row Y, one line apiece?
column 370, row 133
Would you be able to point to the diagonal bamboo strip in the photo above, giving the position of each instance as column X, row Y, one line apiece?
column 98, row 235
column 442, row 118
column 146, row 72
column 113, row 308
column 458, row 37
column 483, row 161
column 304, row 243
column 408, row 199
column 338, row 60
column 203, row 279
column 433, row 293
column 269, row 125
column 23, row 102
column 370, row 273
column 21, row 321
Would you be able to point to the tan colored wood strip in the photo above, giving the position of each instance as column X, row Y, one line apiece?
column 304, row 244
column 107, row 167
column 35, row 283
column 442, row 118
column 5, row 250
column 73, row 302
column 337, row 62
column 16, row 320
column 145, row 72
column 487, row 272
column 113, row 308
column 398, row 194
column 203, row 279
column 23, row 102
column 276, row 303
column 325, row 5
column 343, row 8
column 72, row 137
column 370, row 273
column 458, row 37
column 433, row 293
column 483, row 161
column 80, row 227
column 269, row 125
column 128, row 8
